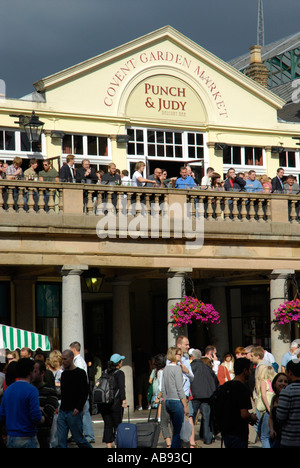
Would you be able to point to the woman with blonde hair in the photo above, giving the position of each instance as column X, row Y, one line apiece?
column 54, row 363
column 266, row 184
column 137, row 179
column 264, row 394
column 173, row 394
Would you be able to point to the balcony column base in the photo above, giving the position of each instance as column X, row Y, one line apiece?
column 176, row 292
column 280, row 334
column 72, row 322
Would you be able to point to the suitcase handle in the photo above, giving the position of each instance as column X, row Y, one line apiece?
column 151, row 408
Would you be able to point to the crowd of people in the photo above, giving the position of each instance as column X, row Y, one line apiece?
column 247, row 181
column 185, row 381
column 44, row 400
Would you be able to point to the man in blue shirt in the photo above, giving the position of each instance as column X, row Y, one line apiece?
column 291, row 354
column 20, row 408
column 185, row 181
column 253, row 185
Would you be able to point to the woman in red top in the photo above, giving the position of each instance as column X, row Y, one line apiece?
column 225, row 370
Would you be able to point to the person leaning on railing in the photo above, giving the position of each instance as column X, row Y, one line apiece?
column 14, row 171
column 233, row 182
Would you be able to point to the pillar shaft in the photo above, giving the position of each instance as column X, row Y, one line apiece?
column 176, row 292
column 280, row 334
column 219, row 333
column 122, row 334
column 72, row 322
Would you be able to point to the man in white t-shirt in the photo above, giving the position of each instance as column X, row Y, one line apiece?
column 206, row 180
column 137, row 179
column 88, row 429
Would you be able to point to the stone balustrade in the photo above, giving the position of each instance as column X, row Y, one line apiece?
column 100, row 200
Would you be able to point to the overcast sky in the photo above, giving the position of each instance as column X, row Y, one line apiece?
column 41, row 37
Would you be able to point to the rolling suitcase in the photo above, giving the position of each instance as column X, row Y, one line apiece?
column 126, row 434
column 148, row 432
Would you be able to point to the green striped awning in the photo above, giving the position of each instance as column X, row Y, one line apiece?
column 13, row 338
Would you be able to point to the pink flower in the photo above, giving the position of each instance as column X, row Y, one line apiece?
column 191, row 308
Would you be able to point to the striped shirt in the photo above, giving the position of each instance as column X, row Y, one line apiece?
column 288, row 415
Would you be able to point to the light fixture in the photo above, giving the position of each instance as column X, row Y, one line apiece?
column 220, row 146
column 57, row 134
column 93, row 280
column 123, row 138
column 277, row 149
column 32, row 125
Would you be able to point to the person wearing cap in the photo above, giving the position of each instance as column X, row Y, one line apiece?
column 112, row 413
column 292, row 353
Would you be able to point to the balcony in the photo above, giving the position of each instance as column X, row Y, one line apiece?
column 112, row 225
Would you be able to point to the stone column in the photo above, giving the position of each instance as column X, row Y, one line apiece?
column 219, row 332
column 72, row 322
column 122, row 334
column 176, row 292
column 280, row 334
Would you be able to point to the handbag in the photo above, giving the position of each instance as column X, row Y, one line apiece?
column 260, row 406
column 186, row 430
column 53, row 432
column 150, row 393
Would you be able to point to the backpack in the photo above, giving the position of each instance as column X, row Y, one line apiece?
column 104, row 391
column 220, row 409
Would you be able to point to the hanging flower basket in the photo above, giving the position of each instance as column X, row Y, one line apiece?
column 190, row 309
column 288, row 312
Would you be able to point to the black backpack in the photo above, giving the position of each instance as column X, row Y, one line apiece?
column 104, row 391
column 220, row 409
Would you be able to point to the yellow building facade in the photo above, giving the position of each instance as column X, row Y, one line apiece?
column 166, row 101
column 161, row 82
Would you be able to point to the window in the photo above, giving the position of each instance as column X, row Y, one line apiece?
column 27, row 146
column 73, row 144
column 7, row 140
column 48, row 311
column 97, row 146
column 232, row 155
column 195, row 145
column 17, row 141
column 135, row 145
column 287, row 159
column 243, row 156
column 253, row 156
column 165, row 144
column 85, row 145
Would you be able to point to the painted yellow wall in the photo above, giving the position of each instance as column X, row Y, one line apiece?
column 108, row 93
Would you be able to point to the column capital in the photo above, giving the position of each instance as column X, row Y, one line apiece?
column 179, row 271
column 73, row 269
column 281, row 274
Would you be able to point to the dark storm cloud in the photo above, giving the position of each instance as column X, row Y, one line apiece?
column 41, row 37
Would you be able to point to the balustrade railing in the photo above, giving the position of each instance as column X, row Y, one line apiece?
column 99, row 200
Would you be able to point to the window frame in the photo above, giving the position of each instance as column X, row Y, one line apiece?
column 185, row 145
column 243, row 166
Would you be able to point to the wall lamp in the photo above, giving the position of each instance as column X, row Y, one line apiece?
column 220, row 146
column 31, row 124
column 57, row 134
column 93, row 280
column 123, row 138
column 277, row 149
